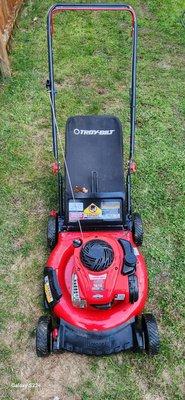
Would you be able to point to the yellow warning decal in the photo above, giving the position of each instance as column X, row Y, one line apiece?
column 92, row 211
column 47, row 290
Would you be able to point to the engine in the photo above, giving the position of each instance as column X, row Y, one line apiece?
column 98, row 280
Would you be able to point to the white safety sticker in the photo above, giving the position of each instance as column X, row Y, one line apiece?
column 75, row 216
column 107, row 210
column 76, row 205
column 98, row 281
column 110, row 210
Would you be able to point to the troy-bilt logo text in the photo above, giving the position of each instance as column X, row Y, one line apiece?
column 93, row 132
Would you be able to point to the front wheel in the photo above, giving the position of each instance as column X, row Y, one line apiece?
column 151, row 334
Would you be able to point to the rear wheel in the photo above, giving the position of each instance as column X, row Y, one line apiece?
column 52, row 232
column 43, row 336
column 151, row 334
column 137, row 229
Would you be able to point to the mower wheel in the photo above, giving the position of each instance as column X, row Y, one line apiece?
column 151, row 334
column 43, row 336
column 133, row 288
column 137, row 229
column 52, row 232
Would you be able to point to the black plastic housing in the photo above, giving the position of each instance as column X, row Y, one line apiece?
column 124, row 337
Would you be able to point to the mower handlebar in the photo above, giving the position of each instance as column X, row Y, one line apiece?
column 58, row 8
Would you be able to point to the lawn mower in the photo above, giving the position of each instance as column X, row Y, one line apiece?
column 95, row 279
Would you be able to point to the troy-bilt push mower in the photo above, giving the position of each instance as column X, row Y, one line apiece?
column 95, row 280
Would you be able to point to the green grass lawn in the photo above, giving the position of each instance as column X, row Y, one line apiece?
column 92, row 76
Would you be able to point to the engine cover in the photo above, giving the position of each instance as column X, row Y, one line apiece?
column 97, row 280
column 97, row 255
column 93, row 290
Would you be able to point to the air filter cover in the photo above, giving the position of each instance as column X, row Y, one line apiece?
column 97, row 255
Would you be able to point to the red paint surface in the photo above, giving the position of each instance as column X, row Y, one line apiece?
column 64, row 259
column 133, row 167
column 55, row 168
column 54, row 333
column 53, row 213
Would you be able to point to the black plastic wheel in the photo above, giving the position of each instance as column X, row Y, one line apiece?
column 52, row 232
column 43, row 334
column 133, row 288
column 137, row 229
column 151, row 334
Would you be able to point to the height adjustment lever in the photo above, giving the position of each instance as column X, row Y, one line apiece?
column 129, row 263
column 48, row 84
